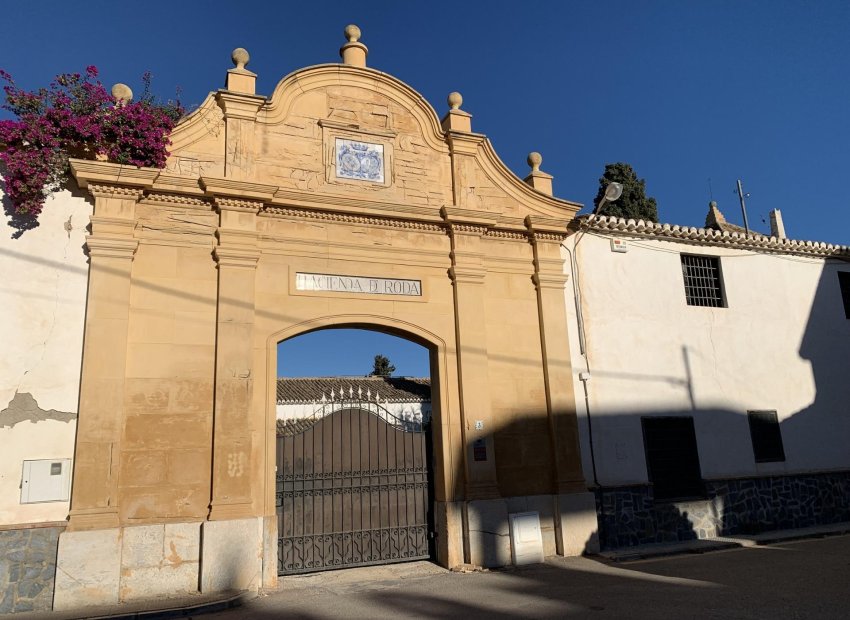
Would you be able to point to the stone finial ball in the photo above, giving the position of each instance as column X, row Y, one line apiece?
column 534, row 160
column 455, row 100
column 240, row 57
column 122, row 92
column 352, row 33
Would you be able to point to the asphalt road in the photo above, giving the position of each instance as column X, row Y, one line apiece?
column 801, row 579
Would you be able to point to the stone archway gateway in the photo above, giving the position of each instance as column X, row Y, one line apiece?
column 340, row 199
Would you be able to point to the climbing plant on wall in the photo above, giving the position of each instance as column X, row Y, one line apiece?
column 75, row 116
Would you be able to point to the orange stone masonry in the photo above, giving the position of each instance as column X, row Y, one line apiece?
column 193, row 284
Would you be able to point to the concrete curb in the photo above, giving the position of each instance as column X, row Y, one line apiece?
column 707, row 545
column 161, row 610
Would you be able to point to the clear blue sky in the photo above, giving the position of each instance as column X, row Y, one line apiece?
column 348, row 352
column 684, row 91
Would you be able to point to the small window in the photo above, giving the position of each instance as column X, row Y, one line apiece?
column 703, row 286
column 844, row 283
column 766, row 436
column 672, row 460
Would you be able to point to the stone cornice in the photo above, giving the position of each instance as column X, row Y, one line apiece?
column 106, row 173
column 468, row 220
column 172, row 183
column 330, row 124
column 215, row 186
column 238, row 204
column 353, row 206
column 99, row 190
column 330, row 216
column 709, row 237
column 178, row 200
column 507, row 234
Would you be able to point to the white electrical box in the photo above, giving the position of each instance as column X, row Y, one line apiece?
column 618, row 245
column 47, row 480
column 526, row 538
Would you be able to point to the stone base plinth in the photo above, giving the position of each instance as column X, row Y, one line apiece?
column 232, row 555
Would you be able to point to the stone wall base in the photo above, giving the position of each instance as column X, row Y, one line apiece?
column 148, row 562
column 232, row 555
column 629, row 515
column 577, row 524
column 27, row 568
column 567, row 524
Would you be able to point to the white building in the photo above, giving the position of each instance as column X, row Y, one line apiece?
column 43, row 286
column 711, row 379
column 406, row 399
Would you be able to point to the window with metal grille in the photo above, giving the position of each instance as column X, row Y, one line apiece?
column 703, row 286
column 844, row 283
column 672, row 460
column 766, row 436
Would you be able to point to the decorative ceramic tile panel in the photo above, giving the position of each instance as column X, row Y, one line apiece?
column 363, row 161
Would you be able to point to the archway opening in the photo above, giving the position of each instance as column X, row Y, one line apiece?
column 355, row 466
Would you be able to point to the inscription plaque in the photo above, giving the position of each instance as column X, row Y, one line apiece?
column 357, row 284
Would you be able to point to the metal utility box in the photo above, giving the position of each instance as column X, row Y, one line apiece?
column 46, row 480
column 526, row 538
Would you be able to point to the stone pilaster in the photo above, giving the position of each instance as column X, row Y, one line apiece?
column 549, row 279
column 111, row 246
column 240, row 116
column 467, row 272
column 237, row 255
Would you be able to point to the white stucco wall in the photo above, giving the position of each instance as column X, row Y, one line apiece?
column 43, row 280
column 781, row 344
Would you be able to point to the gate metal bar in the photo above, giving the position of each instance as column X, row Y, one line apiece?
column 352, row 490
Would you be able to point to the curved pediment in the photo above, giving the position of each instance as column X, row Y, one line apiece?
column 334, row 134
column 373, row 97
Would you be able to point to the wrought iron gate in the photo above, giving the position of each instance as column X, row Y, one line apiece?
column 353, row 489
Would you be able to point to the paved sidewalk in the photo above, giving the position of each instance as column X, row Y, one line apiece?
column 720, row 543
column 771, row 575
column 797, row 579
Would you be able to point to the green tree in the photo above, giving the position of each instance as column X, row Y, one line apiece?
column 634, row 202
column 382, row 367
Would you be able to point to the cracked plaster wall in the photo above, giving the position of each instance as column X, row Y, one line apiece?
column 43, row 284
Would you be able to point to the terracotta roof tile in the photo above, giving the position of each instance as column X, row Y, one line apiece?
column 395, row 389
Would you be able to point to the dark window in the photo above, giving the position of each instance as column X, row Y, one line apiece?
column 766, row 436
column 844, row 283
column 672, row 460
column 703, row 286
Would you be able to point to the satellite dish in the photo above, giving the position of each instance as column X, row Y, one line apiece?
column 613, row 192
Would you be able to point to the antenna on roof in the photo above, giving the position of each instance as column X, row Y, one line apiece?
column 710, row 191
column 741, row 195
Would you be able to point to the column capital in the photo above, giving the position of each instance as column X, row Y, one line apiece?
column 240, row 105
column 227, row 256
column 111, row 247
